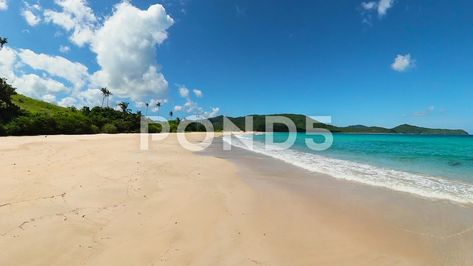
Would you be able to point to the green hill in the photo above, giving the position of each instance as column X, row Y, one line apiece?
column 409, row 129
column 21, row 115
column 36, row 106
column 260, row 125
column 300, row 122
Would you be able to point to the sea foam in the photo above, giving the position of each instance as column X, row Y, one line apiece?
column 421, row 185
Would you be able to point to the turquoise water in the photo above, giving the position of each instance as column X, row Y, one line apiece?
column 443, row 156
column 433, row 166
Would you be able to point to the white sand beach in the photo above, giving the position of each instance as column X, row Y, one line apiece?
column 99, row 200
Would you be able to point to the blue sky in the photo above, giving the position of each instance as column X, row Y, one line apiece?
column 375, row 62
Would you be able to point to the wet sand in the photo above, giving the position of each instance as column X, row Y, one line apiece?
column 441, row 230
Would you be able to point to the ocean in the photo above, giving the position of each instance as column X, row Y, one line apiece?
column 437, row 167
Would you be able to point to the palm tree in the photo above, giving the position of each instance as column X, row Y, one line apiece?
column 171, row 114
column 147, row 105
column 123, row 106
column 108, row 96
column 105, row 94
column 3, row 41
column 158, row 104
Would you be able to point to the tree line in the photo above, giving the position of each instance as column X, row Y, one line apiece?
column 99, row 119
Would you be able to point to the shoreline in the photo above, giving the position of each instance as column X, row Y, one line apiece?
column 441, row 226
column 418, row 184
column 99, row 200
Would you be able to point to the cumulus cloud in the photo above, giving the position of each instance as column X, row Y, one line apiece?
column 32, row 13
column 3, row 5
column 8, row 60
column 192, row 108
column 184, row 92
column 31, row 85
column 50, row 98
column 30, row 17
column 402, row 63
column 383, row 6
column 58, row 66
column 214, row 112
column 195, row 111
column 125, row 48
column 198, row 93
column 76, row 17
column 124, row 43
column 153, row 104
column 379, row 7
column 37, row 87
column 67, row 102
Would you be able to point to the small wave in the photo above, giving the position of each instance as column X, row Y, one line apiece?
column 425, row 186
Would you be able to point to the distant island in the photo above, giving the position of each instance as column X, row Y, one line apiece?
column 300, row 122
column 22, row 115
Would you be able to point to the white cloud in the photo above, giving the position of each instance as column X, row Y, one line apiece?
column 153, row 103
column 198, row 93
column 29, row 84
column 58, row 18
column 192, row 108
column 50, row 98
column 68, row 102
column 3, row 5
column 125, row 48
column 75, row 73
column 75, row 16
column 125, row 45
column 402, row 63
column 195, row 111
column 213, row 113
column 184, row 92
column 92, row 97
column 37, row 87
column 381, row 7
column 64, row 49
column 31, row 13
column 30, row 17
column 368, row 5
column 8, row 60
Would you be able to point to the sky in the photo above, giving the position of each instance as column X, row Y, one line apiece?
column 380, row 62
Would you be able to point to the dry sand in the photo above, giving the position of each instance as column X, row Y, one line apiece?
column 99, row 200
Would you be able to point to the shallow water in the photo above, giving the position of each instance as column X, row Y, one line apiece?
column 431, row 166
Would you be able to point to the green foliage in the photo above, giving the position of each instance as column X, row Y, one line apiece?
column 154, row 128
column 3, row 131
column 95, row 129
column 21, row 115
column 8, row 110
column 45, row 124
column 109, row 128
